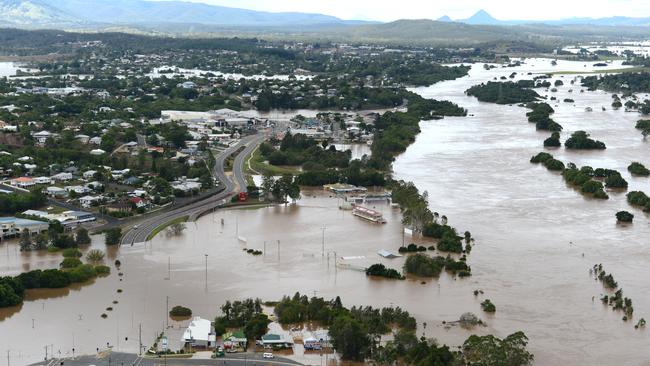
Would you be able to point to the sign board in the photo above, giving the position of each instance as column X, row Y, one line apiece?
column 165, row 345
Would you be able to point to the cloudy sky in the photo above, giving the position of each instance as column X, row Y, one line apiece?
column 385, row 10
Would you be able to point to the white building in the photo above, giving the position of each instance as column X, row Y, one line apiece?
column 43, row 180
column 62, row 177
column 88, row 201
column 199, row 333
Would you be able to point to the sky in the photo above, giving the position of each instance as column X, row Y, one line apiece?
column 389, row 10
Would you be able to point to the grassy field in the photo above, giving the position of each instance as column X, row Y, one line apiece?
column 257, row 165
column 162, row 227
column 610, row 71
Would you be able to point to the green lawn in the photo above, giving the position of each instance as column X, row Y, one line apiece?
column 162, row 227
column 259, row 166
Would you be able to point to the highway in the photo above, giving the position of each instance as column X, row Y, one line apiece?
column 228, row 187
column 128, row 359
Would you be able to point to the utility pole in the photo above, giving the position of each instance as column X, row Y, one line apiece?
column 167, row 314
column 140, row 339
column 323, row 242
column 206, row 272
column 278, row 250
column 403, row 236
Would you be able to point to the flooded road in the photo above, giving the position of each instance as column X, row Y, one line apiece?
column 476, row 171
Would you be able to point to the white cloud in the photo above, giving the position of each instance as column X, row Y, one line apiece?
column 431, row 9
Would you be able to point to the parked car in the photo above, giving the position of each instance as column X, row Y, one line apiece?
column 267, row 355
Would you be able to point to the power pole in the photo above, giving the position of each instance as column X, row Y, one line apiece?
column 167, row 314
column 206, row 272
column 323, row 242
column 140, row 339
column 278, row 250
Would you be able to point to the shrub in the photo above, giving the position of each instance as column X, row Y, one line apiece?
column 72, row 253
column 180, row 311
column 82, row 237
column 95, row 255
column 70, row 263
column 638, row 169
column 615, row 181
column 488, row 306
column 102, row 270
column 541, row 158
column 381, row 271
column 624, row 216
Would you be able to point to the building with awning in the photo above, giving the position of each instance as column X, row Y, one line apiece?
column 199, row 333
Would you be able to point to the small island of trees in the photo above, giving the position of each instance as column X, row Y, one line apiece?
column 502, row 93
column 624, row 216
column 380, row 270
column 580, row 140
column 636, row 168
column 180, row 311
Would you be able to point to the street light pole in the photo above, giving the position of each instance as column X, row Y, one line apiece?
column 206, row 272
column 323, row 242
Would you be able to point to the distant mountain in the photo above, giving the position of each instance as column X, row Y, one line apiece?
column 444, row 18
column 32, row 13
column 481, row 17
column 102, row 13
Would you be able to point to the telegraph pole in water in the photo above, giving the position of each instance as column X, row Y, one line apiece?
column 323, row 242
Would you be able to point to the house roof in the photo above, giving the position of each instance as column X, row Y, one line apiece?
column 23, row 180
column 198, row 330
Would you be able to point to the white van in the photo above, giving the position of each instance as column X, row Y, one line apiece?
column 267, row 355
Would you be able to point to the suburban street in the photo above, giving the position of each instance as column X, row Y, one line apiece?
column 146, row 227
column 129, row 359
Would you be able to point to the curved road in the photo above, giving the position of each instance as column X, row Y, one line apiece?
column 146, row 227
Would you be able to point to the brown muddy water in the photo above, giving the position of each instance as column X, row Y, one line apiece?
column 531, row 234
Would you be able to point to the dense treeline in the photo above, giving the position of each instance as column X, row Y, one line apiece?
column 301, row 150
column 246, row 314
column 12, row 289
column 425, row 266
column 12, row 203
column 502, row 93
column 354, row 332
column 417, row 215
column 634, row 82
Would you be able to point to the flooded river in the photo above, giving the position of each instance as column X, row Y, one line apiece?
column 476, row 171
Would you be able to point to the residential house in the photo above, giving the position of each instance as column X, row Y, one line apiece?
column 95, row 140
column 89, row 174
column 138, row 202
column 56, row 192
column 89, row 201
column 43, row 180
column 23, row 182
column 42, row 136
column 62, row 177
column 97, row 152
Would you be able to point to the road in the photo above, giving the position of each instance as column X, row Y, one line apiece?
column 129, row 359
column 146, row 227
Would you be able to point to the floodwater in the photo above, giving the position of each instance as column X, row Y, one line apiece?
column 531, row 234
column 8, row 69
